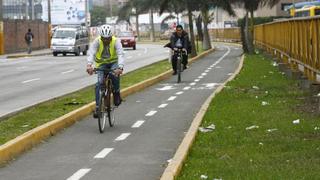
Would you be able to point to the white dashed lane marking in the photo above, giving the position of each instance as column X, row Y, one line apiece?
column 103, row 153
column 79, row 174
column 162, row 105
column 186, row 88
column 196, row 80
column 192, row 84
column 151, row 113
column 137, row 124
column 30, row 80
column 180, row 92
column 122, row 137
column 66, row 72
column 172, row 98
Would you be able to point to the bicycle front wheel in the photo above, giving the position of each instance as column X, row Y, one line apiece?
column 102, row 113
column 109, row 105
column 179, row 69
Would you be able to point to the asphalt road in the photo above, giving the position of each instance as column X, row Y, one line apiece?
column 28, row 81
column 150, row 126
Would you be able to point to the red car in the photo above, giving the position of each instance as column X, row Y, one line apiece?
column 127, row 39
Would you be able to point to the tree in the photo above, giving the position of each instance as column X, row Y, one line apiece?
column 98, row 15
column 250, row 6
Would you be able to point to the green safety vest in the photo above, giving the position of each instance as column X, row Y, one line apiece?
column 113, row 54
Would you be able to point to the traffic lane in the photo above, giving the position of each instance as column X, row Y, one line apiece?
column 74, row 149
column 25, row 66
column 45, row 78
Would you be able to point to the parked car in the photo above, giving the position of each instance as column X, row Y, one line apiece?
column 70, row 40
column 127, row 39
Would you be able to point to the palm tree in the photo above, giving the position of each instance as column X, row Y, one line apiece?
column 250, row 6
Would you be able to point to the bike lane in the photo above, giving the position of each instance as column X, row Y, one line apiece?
column 150, row 126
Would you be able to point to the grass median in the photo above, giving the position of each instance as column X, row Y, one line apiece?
column 265, row 128
column 26, row 120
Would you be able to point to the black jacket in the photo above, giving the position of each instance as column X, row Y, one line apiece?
column 184, row 39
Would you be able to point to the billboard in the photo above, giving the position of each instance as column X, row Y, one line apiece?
column 65, row 11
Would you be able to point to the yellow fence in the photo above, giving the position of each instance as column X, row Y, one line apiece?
column 294, row 41
column 227, row 34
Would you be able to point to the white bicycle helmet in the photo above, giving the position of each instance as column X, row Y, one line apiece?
column 105, row 31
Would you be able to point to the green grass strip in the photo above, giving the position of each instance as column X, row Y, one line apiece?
column 286, row 151
column 40, row 114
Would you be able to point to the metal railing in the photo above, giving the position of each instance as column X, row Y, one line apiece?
column 295, row 42
column 227, row 34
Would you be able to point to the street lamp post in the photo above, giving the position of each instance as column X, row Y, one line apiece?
column 1, row 11
column 134, row 11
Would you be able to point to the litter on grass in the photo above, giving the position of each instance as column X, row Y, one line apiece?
column 255, row 87
column 274, row 64
column 204, row 176
column 252, row 127
column 316, row 128
column 271, row 130
column 207, row 129
column 297, row 121
column 264, row 103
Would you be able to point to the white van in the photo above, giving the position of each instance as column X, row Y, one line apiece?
column 70, row 40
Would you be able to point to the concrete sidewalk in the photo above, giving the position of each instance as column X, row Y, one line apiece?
column 40, row 52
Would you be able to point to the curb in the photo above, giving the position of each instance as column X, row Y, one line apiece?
column 174, row 167
column 26, row 141
column 26, row 55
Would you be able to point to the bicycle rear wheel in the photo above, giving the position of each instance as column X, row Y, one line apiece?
column 179, row 69
column 102, row 113
column 109, row 105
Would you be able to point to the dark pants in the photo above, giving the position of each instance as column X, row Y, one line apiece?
column 29, row 44
column 174, row 61
column 100, row 83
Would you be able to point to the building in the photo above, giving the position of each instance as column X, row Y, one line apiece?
column 277, row 10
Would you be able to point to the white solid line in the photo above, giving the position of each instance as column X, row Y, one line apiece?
column 79, row 174
column 196, row 80
column 122, row 137
column 162, row 106
column 178, row 93
column 137, row 124
column 30, row 80
column 192, row 84
column 186, row 88
column 68, row 71
column 151, row 113
column 103, row 153
column 172, row 98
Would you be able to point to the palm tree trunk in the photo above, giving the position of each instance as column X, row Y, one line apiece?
column 206, row 43
column 193, row 51
column 137, row 27
column 152, row 36
column 247, row 34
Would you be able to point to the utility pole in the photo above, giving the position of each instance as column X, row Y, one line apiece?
column 32, row 10
column 1, row 11
column 49, row 12
column 27, row 9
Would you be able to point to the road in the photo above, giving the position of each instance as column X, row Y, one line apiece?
column 28, row 81
column 150, row 125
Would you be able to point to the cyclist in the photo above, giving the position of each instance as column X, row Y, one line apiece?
column 179, row 39
column 106, row 52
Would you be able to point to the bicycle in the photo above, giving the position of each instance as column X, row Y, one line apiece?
column 106, row 106
column 179, row 54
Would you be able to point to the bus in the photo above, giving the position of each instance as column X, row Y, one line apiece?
column 306, row 11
